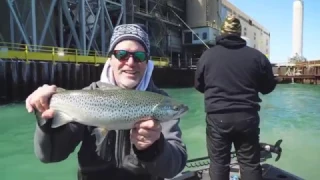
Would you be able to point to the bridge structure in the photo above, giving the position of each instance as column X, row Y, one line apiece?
column 77, row 31
column 64, row 42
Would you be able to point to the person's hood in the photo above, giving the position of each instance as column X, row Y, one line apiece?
column 231, row 41
column 107, row 75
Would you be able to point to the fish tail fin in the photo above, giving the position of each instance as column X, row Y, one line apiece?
column 60, row 119
column 100, row 134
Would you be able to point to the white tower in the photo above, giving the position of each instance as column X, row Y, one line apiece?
column 297, row 28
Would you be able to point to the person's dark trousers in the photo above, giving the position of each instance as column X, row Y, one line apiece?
column 241, row 129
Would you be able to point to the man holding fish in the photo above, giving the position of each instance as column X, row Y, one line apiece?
column 128, row 128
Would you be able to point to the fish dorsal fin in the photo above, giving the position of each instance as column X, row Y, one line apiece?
column 59, row 89
column 106, row 86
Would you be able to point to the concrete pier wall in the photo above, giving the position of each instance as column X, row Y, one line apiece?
column 18, row 79
column 286, row 70
column 168, row 77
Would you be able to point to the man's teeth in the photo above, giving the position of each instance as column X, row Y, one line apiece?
column 130, row 72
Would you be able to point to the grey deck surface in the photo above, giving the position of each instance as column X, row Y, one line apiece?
column 269, row 173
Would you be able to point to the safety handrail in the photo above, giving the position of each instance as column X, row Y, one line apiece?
column 50, row 53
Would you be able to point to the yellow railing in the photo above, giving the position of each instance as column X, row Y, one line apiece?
column 57, row 54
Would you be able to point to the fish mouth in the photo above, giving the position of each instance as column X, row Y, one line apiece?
column 183, row 110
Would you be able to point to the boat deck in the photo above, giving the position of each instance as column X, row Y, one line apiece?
column 270, row 172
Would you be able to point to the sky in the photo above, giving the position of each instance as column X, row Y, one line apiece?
column 276, row 17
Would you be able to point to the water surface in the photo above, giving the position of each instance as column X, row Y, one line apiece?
column 291, row 113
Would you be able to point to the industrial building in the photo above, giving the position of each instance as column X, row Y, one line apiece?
column 206, row 26
column 179, row 29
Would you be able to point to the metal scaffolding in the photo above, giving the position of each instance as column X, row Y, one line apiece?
column 80, row 24
column 87, row 24
column 161, row 22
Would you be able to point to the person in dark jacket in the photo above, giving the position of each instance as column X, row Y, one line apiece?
column 231, row 75
column 151, row 151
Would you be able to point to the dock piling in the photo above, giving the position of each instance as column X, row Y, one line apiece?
column 20, row 78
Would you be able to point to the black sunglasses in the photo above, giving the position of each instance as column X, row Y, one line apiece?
column 122, row 55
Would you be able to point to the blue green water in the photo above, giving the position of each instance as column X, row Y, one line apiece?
column 291, row 113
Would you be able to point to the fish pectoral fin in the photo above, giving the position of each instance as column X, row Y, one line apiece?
column 40, row 120
column 100, row 134
column 60, row 119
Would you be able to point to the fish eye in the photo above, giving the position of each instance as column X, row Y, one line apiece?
column 175, row 108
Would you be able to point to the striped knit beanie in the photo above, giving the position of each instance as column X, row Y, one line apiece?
column 135, row 32
column 231, row 25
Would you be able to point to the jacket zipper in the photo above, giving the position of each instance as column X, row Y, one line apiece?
column 119, row 148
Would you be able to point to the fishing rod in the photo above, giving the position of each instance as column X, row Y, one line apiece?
column 189, row 28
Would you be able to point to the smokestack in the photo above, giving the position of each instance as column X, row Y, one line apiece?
column 297, row 28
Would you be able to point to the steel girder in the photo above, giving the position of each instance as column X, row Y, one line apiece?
column 87, row 24
column 81, row 24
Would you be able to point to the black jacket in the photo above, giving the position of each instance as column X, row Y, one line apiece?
column 232, row 74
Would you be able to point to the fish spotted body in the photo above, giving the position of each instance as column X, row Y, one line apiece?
column 112, row 108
